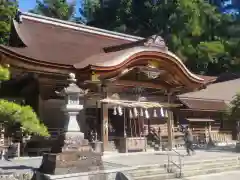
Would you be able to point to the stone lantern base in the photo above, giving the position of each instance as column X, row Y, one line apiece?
column 76, row 156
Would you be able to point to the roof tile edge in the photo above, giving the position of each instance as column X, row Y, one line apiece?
column 81, row 27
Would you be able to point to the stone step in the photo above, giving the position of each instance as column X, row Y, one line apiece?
column 190, row 168
column 158, row 169
column 213, row 162
column 210, row 164
column 151, row 166
column 206, row 167
column 191, row 173
column 156, row 177
column 146, row 172
column 208, row 161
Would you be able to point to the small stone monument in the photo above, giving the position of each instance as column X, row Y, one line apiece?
column 77, row 155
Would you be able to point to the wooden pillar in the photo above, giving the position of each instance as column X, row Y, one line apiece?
column 104, row 120
column 170, row 125
column 104, row 125
column 170, row 122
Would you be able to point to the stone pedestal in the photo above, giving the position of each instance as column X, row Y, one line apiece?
column 71, row 162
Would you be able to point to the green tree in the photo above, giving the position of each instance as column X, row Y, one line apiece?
column 8, row 10
column 24, row 115
column 234, row 110
column 87, row 10
column 195, row 30
column 60, row 9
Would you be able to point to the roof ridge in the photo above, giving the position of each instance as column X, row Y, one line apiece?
column 80, row 27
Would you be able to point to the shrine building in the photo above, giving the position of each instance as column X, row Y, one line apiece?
column 134, row 83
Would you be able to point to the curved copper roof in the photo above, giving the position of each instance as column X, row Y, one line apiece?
column 115, row 60
column 60, row 44
column 49, row 40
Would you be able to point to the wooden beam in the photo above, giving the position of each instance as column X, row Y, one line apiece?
column 128, row 83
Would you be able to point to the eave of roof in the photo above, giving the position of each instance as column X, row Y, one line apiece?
column 6, row 51
column 204, row 104
column 114, row 59
column 222, row 91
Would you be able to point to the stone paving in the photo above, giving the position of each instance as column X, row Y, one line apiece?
column 114, row 161
column 19, row 166
column 161, row 157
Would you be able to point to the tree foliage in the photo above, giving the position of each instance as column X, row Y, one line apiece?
column 60, row 9
column 4, row 73
column 234, row 110
column 8, row 10
column 12, row 113
column 197, row 31
column 87, row 10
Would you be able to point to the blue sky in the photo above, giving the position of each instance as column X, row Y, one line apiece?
column 26, row 5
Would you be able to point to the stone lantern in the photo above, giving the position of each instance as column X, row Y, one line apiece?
column 72, row 94
column 77, row 155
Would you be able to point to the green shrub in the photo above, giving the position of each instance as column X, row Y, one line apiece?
column 12, row 112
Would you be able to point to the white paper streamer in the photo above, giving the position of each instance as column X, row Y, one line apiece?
column 155, row 113
column 114, row 111
column 146, row 114
column 141, row 112
column 166, row 113
column 162, row 112
column 130, row 114
column 120, row 112
column 135, row 112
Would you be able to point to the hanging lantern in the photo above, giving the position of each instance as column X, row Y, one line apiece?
column 146, row 114
column 141, row 112
column 155, row 113
column 135, row 112
column 162, row 112
column 114, row 111
column 120, row 112
column 130, row 114
column 166, row 114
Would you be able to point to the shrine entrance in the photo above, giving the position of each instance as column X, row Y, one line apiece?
column 133, row 89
